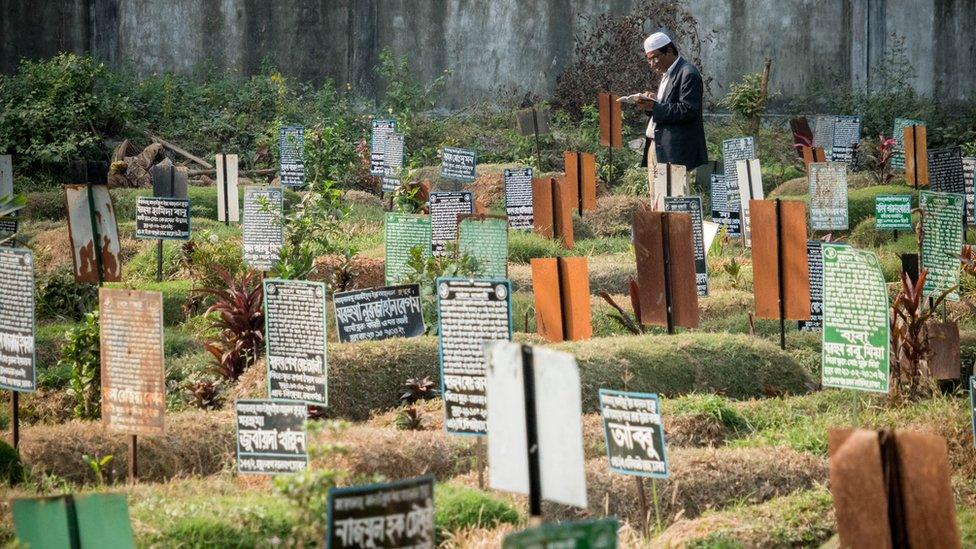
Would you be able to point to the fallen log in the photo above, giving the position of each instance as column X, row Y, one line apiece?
column 179, row 150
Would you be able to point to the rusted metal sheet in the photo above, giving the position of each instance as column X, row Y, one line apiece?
column 80, row 223
column 562, row 208
column 916, row 156
column 571, row 167
column 945, row 360
column 611, row 134
column 873, row 472
column 133, row 380
column 811, row 155
column 561, row 288
column 651, row 228
column 587, row 186
column 542, row 214
column 765, row 259
column 802, row 134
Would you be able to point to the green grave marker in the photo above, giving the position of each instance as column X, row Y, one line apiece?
column 486, row 240
column 586, row 534
column 893, row 212
column 855, row 323
column 941, row 240
column 84, row 521
column 404, row 232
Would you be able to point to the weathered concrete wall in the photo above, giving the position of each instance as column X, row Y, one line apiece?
column 491, row 46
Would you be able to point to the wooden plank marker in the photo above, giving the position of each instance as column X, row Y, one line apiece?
column 552, row 210
column 228, row 206
column 750, row 188
column 561, row 287
column 781, row 284
column 667, row 291
column 916, row 156
column 580, row 168
column 669, row 180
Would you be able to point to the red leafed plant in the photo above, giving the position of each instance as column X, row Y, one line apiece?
column 879, row 163
column 239, row 319
column 910, row 312
column 629, row 322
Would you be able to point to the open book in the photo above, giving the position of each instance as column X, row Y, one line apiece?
column 635, row 97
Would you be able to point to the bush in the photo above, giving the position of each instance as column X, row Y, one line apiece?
column 60, row 297
column 11, row 468
column 460, row 507
column 81, row 353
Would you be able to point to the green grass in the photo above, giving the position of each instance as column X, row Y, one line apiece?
column 459, row 507
column 175, row 294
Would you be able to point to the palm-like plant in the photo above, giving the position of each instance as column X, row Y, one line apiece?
column 239, row 319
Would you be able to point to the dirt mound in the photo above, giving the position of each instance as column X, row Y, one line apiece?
column 353, row 196
column 195, row 443
column 364, row 272
column 614, row 216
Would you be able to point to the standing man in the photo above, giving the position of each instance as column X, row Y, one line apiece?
column 675, row 131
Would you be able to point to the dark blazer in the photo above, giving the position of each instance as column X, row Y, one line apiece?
column 679, row 132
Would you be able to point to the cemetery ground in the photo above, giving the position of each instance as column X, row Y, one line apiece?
column 746, row 423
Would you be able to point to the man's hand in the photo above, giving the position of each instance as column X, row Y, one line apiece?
column 645, row 102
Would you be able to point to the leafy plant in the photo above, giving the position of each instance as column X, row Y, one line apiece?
column 99, row 466
column 629, row 322
column 403, row 93
column 59, row 296
column 411, row 196
column 409, row 419
column 80, row 353
column 204, row 393
column 747, row 99
column 733, row 269
column 910, row 347
column 313, row 227
column 425, row 269
column 238, row 317
column 418, row 389
column 879, row 162
column 11, row 467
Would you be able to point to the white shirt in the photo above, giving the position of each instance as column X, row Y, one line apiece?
column 665, row 80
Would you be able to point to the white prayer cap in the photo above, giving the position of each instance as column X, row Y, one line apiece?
column 656, row 41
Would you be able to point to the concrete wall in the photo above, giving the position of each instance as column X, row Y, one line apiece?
column 492, row 46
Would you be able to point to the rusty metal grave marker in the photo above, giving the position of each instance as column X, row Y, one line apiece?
column 781, row 283
column 581, row 180
column 552, row 210
column 611, row 127
column 666, row 287
column 561, row 288
column 91, row 227
column 916, row 156
column 534, row 122
column 133, row 379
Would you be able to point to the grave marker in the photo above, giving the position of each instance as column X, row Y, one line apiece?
column 781, row 284
column 811, row 155
column 295, row 339
column 942, row 241
column 972, row 405
column 6, row 175
column 802, row 134
column 669, row 180
column 750, row 188
column 518, row 198
column 945, row 357
column 228, row 201
column 17, row 321
column 855, row 322
column 8, row 232
column 444, row 209
column 291, row 148
column 459, row 164
column 168, row 180
column 379, row 132
column 667, row 293
column 388, row 515
column 485, row 239
column 845, row 139
column 91, row 218
column 969, row 173
column 893, row 212
column 469, row 312
column 828, row 196
column 534, row 122
column 823, row 134
column 588, row 534
column 404, row 232
column 733, row 150
column 898, row 133
column 916, row 157
column 86, row 521
column 552, row 210
column 392, row 161
column 263, row 232
column 162, row 218
column 946, row 173
column 611, row 134
column 271, row 437
column 535, row 432
column 815, row 278
column 379, row 313
column 580, row 180
column 724, row 211
column 634, row 433
column 561, row 290
column 693, row 205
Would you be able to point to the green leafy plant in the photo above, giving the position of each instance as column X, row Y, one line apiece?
column 411, row 418
column 403, row 93
column 733, row 269
column 747, row 99
column 313, row 227
column 238, row 317
column 424, row 269
column 11, row 467
column 308, row 491
column 410, row 196
column 80, row 353
column 99, row 467
column 59, row 296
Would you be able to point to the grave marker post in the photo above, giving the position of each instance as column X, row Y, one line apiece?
column 916, row 156
column 81, row 168
column 17, row 328
column 531, row 433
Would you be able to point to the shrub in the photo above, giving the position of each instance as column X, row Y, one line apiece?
column 239, row 320
column 425, row 269
column 59, row 296
column 460, row 507
column 313, row 228
column 11, row 468
column 81, row 353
